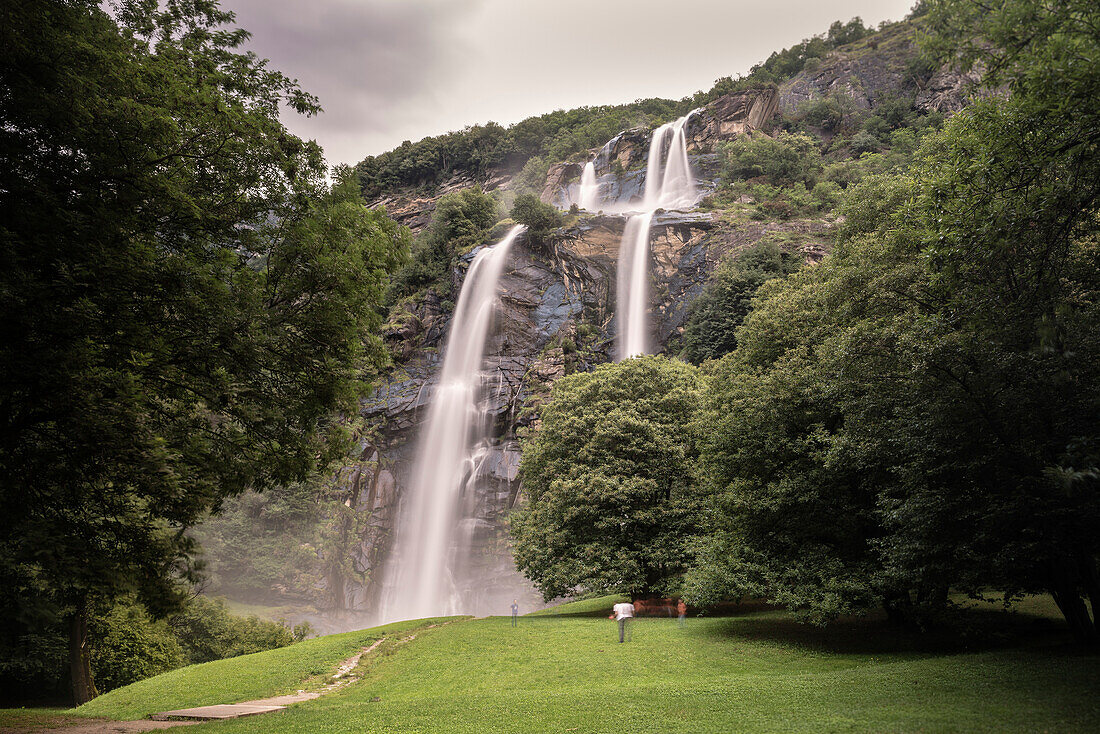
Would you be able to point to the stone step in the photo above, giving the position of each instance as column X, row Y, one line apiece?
column 220, row 711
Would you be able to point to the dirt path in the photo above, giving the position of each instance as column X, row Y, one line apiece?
column 345, row 675
column 74, row 725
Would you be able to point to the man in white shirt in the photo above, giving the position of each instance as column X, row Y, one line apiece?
column 623, row 612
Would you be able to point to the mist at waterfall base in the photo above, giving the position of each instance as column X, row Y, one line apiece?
column 669, row 184
column 429, row 573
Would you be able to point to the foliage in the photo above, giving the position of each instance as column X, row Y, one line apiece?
column 540, row 218
column 187, row 302
column 608, row 481
column 268, row 544
column 833, row 112
column 920, row 413
column 477, row 150
column 782, row 160
column 128, row 646
column 716, row 314
column 207, row 631
column 461, row 221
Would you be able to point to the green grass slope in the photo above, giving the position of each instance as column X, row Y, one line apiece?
column 758, row 673
column 259, row 675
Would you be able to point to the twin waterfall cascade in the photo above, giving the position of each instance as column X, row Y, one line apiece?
column 431, row 546
column 667, row 186
column 431, row 568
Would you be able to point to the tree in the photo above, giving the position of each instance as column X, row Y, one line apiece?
column 933, row 390
column 608, row 481
column 540, row 218
column 461, row 220
column 187, row 304
column 783, row 160
column 716, row 314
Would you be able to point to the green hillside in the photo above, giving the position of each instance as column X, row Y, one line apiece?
column 758, row 671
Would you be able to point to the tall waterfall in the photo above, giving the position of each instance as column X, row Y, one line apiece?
column 669, row 184
column 632, row 287
column 588, row 195
column 430, row 545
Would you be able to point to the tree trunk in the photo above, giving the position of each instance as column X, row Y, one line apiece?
column 1073, row 608
column 80, row 655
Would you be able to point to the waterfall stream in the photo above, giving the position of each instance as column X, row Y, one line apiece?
column 669, row 184
column 588, row 194
column 432, row 539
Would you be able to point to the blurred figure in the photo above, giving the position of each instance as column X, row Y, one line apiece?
column 682, row 611
column 515, row 611
column 623, row 612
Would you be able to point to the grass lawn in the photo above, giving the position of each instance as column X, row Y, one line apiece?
column 259, row 675
column 756, row 672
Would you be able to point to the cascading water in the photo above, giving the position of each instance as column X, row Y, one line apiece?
column 430, row 543
column 667, row 186
column 588, row 194
column 632, row 287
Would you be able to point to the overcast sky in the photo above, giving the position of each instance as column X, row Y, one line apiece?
column 393, row 70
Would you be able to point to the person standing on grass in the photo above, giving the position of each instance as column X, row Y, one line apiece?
column 515, row 611
column 682, row 611
column 622, row 612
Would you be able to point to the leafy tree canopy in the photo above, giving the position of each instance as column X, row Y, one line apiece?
column 608, row 480
column 716, row 315
column 187, row 303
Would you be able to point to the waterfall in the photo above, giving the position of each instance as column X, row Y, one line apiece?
column 588, row 195
column 632, row 287
column 430, row 541
column 668, row 185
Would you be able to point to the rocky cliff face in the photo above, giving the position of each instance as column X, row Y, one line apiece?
column 557, row 312
column 878, row 67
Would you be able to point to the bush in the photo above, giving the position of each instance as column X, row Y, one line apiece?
column 718, row 312
column 129, row 646
column 830, row 112
column 208, row 631
column 461, row 220
column 864, row 142
column 782, row 160
column 540, row 218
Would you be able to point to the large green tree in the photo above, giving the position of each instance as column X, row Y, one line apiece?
column 187, row 302
column 934, row 390
column 611, row 505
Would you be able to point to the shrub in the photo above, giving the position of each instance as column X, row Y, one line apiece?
column 864, row 142
column 718, row 312
column 461, row 220
column 782, row 160
column 129, row 646
column 540, row 218
column 208, row 631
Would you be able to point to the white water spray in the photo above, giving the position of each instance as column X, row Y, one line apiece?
column 588, row 194
column 668, row 185
column 431, row 542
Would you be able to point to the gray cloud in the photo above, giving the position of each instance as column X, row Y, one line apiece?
column 393, row 70
column 374, row 65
